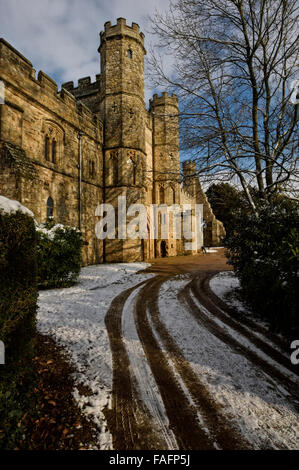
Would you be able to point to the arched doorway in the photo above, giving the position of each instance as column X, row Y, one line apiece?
column 163, row 249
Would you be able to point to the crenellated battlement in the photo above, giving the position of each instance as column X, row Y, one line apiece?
column 18, row 71
column 84, row 83
column 67, row 98
column 47, row 82
column 166, row 99
column 189, row 168
column 121, row 29
column 87, row 91
column 10, row 50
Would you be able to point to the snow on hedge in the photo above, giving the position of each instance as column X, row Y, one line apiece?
column 50, row 233
column 10, row 206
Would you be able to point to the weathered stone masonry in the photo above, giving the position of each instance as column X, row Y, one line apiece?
column 126, row 149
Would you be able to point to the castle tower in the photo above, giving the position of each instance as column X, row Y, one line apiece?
column 122, row 110
column 166, row 161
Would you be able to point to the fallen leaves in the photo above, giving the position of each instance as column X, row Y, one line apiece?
column 56, row 422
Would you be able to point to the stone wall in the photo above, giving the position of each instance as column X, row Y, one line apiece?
column 87, row 92
column 214, row 230
column 34, row 111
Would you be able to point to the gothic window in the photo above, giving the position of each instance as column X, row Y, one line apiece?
column 53, row 151
column 162, row 195
column 54, row 141
column 50, row 207
column 130, row 54
column 47, row 145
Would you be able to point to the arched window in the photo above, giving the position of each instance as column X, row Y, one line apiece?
column 162, row 195
column 53, row 141
column 53, row 151
column 130, row 54
column 47, row 145
column 50, row 207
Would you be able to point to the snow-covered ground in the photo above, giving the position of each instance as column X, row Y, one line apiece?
column 74, row 317
column 252, row 401
column 147, row 387
column 225, row 285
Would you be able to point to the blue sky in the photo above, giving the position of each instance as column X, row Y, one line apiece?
column 61, row 37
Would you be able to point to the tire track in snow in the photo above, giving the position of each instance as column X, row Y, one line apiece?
column 242, row 325
column 128, row 420
column 235, row 341
column 190, row 432
column 145, row 382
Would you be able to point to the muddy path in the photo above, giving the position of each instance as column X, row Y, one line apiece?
column 212, row 430
column 165, row 382
column 128, row 420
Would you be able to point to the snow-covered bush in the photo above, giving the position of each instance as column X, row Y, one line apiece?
column 264, row 251
column 18, row 295
column 58, row 254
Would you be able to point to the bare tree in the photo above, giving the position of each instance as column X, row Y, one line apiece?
column 236, row 66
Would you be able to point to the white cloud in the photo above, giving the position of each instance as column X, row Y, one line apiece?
column 61, row 37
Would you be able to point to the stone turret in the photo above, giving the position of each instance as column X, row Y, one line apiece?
column 166, row 161
column 123, row 112
column 122, row 92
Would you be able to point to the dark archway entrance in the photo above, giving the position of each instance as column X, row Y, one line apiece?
column 163, row 249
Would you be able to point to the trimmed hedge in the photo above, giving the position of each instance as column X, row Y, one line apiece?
column 264, row 252
column 59, row 255
column 18, row 296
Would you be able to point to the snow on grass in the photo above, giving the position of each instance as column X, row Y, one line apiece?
column 246, row 342
column 226, row 286
column 74, row 317
column 252, row 401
